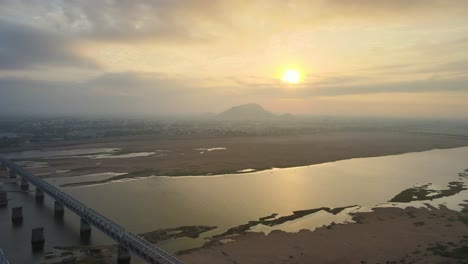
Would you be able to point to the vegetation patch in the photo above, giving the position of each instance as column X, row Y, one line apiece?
column 424, row 193
column 451, row 250
column 411, row 214
column 267, row 217
column 183, row 231
column 463, row 219
column 266, row 220
column 135, row 174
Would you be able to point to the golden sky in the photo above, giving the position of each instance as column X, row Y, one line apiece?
column 363, row 57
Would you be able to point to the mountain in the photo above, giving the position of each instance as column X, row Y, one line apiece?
column 247, row 112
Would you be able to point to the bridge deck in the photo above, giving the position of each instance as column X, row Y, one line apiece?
column 138, row 245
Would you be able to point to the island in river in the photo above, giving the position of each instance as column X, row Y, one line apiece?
column 141, row 156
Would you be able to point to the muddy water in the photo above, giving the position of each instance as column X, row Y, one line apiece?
column 225, row 201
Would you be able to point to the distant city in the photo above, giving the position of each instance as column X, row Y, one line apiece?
column 15, row 131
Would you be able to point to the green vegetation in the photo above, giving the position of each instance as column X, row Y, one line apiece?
column 463, row 219
column 411, row 214
column 81, row 169
column 423, row 193
column 266, row 220
column 170, row 233
column 451, row 250
column 82, row 255
column 267, row 217
column 135, row 174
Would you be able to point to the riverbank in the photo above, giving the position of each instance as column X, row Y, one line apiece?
column 385, row 235
column 225, row 155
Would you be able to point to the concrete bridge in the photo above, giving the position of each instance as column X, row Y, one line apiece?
column 127, row 240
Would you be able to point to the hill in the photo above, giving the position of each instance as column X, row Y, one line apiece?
column 247, row 112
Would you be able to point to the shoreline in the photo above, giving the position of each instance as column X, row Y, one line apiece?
column 138, row 175
column 368, row 240
column 414, row 219
column 108, row 140
column 181, row 157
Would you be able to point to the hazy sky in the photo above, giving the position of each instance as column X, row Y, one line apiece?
column 361, row 57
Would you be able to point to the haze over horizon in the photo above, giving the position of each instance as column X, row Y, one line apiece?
column 378, row 58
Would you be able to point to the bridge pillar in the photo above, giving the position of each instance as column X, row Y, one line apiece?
column 3, row 198
column 24, row 184
column 58, row 209
column 85, row 229
column 17, row 215
column 37, row 238
column 12, row 174
column 123, row 256
column 39, row 195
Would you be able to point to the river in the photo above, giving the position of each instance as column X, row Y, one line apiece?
column 151, row 203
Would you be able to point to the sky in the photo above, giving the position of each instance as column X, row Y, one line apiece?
column 363, row 57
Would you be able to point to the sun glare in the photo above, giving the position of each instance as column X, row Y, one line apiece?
column 291, row 76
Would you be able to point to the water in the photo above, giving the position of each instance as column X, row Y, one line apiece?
column 90, row 153
column 225, row 201
column 16, row 240
column 203, row 150
column 247, row 170
column 33, row 154
column 121, row 156
column 84, row 178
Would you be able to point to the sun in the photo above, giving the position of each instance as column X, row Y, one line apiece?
column 291, row 76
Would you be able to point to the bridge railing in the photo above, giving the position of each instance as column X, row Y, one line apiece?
column 3, row 259
column 140, row 246
column 150, row 249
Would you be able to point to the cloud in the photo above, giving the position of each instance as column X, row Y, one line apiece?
column 121, row 20
column 23, row 47
column 206, row 20
column 137, row 92
column 424, row 86
column 457, row 67
column 342, row 86
column 404, row 6
column 121, row 93
column 191, row 40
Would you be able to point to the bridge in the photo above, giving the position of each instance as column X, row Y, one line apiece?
column 127, row 240
column 3, row 259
